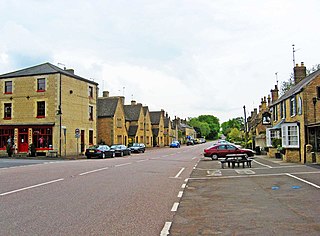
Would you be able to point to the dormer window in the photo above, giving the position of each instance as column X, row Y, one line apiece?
column 41, row 85
column 8, row 87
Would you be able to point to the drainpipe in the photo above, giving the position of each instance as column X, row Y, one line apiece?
column 60, row 116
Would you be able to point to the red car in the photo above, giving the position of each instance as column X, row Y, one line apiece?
column 222, row 149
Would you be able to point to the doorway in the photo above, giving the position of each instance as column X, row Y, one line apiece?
column 23, row 140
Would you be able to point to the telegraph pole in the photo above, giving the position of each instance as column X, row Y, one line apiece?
column 245, row 124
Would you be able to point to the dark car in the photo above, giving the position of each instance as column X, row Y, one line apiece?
column 223, row 149
column 175, row 144
column 138, row 147
column 121, row 150
column 99, row 151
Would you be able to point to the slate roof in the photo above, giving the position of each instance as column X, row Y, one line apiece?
column 297, row 88
column 155, row 117
column 43, row 69
column 145, row 109
column 166, row 122
column 132, row 130
column 106, row 107
column 132, row 112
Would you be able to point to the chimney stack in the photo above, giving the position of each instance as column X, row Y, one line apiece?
column 105, row 94
column 133, row 102
column 71, row 71
column 263, row 104
column 300, row 72
column 274, row 94
column 269, row 100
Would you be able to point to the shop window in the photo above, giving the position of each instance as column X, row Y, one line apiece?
column 272, row 134
column 90, row 137
column 7, row 110
column 6, row 136
column 41, row 109
column 90, row 112
column 8, row 87
column 41, row 84
column 42, row 137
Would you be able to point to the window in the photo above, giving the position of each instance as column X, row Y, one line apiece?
column 293, row 106
column 290, row 135
column 119, row 123
column 7, row 110
column 272, row 134
column 41, row 85
column 90, row 112
column 318, row 92
column 299, row 106
column 275, row 113
column 90, row 92
column 6, row 134
column 8, row 87
column 141, row 126
column 42, row 137
column 41, row 109
column 90, row 137
column 283, row 110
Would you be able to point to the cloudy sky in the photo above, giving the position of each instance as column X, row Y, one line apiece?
column 188, row 57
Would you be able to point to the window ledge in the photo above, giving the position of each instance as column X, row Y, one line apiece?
column 41, row 91
column 8, row 93
column 7, row 118
column 41, row 117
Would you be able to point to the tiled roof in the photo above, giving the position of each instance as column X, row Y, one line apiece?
column 166, row 122
column 43, row 69
column 155, row 117
column 132, row 112
column 297, row 87
column 106, row 107
column 132, row 130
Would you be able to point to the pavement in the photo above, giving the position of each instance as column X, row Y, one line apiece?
column 271, row 198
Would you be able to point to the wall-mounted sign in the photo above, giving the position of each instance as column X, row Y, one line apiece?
column 266, row 118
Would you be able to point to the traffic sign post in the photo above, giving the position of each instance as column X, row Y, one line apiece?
column 77, row 136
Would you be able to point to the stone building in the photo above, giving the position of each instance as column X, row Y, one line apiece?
column 157, row 122
column 148, row 127
column 45, row 105
column 296, row 118
column 111, row 125
column 168, row 133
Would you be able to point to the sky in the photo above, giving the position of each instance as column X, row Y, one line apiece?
column 187, row 57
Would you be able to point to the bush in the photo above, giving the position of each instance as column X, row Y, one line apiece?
column 277, row 142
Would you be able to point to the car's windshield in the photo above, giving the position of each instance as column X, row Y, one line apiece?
column 135, row 145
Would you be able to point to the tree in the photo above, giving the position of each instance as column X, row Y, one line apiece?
column 207, row 125
column 235, row 135
column 227, row 126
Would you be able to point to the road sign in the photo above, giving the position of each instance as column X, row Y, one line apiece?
column 77, row 131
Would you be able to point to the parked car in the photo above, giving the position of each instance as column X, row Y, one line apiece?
column 121, row 150
column 202, row 140
column 190, row 142
column 138, row 147
column 175, row 144
column 100, row 151
column 223, row 149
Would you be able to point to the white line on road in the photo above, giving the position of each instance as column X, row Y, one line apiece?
column 142, row 160
column 124, row 164
column 262, row 164
column 194, row 158
column 92, row 171
column 175, row 206
column 305, row 181
column 30, row 187
column 179, row 173
column 180, row 193
column 166, row 228
column 183, row 186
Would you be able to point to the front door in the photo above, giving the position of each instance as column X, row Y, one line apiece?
column 23, row 140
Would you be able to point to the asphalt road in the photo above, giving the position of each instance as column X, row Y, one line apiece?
column 271, row 198
column 135, row 195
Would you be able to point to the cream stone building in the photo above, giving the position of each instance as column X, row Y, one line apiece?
column 147, row 127
column 111, row 126
column 296, row 118
column 157, row 122
column 45, row 105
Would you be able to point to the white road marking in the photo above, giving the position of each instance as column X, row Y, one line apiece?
column 30, row 187
column 180, row 194
column 166, row 228
column 186, row 180
column 124, row 164
column 183, row 186
column 92, row 171
column 141, row 160
column 175, row 206
column 193, row 158
column 245, row 172
column 179, row 173
column 262, row 164
column 305, row 181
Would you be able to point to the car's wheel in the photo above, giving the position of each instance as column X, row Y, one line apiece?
column 103, row 155
column 121, row 154
column 129, row 153
column 88, row 157
column 214, row 157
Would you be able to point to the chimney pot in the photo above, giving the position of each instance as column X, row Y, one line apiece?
column 105, row 94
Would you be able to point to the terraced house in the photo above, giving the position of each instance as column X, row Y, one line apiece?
column 296, row 118
column 157, row 122
column 44, row 105
column 111, row 127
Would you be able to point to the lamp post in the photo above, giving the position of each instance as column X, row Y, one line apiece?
column 245, row 124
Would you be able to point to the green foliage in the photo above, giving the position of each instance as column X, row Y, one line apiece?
column 227, row 126
column 276, row 142
column 207, row 125
column 235, row 135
